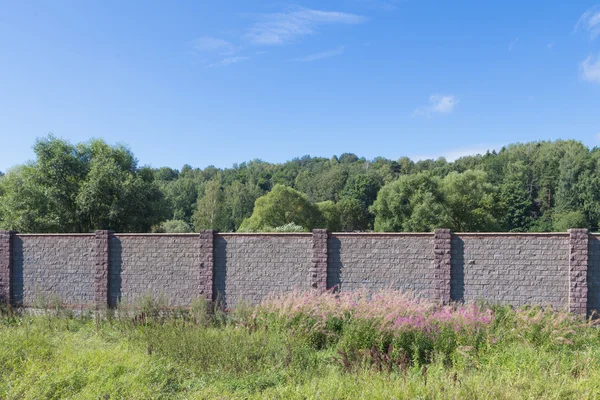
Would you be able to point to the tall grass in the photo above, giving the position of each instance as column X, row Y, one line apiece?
column 301, row 346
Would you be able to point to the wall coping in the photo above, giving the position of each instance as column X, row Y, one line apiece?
column 304, row 234
column 56, row 234
column 194, row 234
column 155, row 234
column 530, row 234
column 382, row 234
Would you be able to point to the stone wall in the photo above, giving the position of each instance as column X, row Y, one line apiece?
column 49, row 268
column 162, row 266
column 248, row 267
column 381, row 261
column 593, row 273
column 103, row 269
column 511, row 269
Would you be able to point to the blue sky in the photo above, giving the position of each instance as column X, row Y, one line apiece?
column 222, row 82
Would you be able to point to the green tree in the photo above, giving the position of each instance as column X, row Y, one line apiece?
column 470, row 202
column 413, row 203
column 210, row 213
column 79, row 189
column 565, row 221
column 331, row 215
column 516, row 204
column 281, row 206
column 173, row 226
column 239, row 202
column 354, row 216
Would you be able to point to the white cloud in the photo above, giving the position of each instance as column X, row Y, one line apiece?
column 456, row 153
column 598, row 136
column 590, row 22
column 280, row 28
column 590, row 69
column 390, row 5
column 322, row 55
column 438, row 104
column 512, row 44
column 207, row 43
column 550, row 45
column 228, row 61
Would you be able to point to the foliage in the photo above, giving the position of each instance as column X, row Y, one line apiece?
column 566, row 221
column 331, row 215
column 210, row 213
column 291, row 227
column 522, row 187
column 281, row 206
column 469, row 201
column 80, row 189
column 173, row 226
column 411, row 203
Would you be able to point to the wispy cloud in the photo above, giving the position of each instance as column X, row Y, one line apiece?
column 208, row 43
column 438, row 104
column 590, row 69
column 590, row 22
column 512, row 44
column 456, row 153
column 228, row 61
column 597, row 136
column 550, row 45
column 389, row 5
column 281, row 28
column 322, row 55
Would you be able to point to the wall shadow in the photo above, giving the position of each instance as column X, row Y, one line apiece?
column 457, row 270
column 16, row 274
column 115, row 269
column 334, row 264
column 220, row 271
column 593, row 274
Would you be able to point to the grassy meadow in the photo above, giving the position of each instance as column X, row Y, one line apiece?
column 301, row 346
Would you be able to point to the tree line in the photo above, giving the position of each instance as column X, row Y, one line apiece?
column 525, row 187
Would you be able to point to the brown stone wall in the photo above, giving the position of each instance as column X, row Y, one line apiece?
column 578, row 270
column 515, row 269
column 250, row 267
column 49, row 268
column 381, row 261
column 5, row 265
column 318, row 272
column 87, row 270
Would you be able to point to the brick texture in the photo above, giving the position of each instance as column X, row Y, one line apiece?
column 102, row 258
column 163, row 266
column 442, row 264
column 206, row 264
column 89, row 270
column 578, row 266
column 507, row 269
column 250, row 267
column 383, row 261
column 318, row 270
column 48, row 267
column 593, row 273
column 5, row 266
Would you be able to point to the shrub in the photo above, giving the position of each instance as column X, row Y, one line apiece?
column 566, row 221
column 389, row 322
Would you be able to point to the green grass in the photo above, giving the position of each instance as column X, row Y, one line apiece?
column 527, row 354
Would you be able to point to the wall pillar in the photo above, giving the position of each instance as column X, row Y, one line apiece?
column 442, row 258
column 318, row 271
column 5, row 266
column 206, row 248
column 578, row 265
column 102, row 257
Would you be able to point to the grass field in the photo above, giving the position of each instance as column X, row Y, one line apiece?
column 304, row 346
